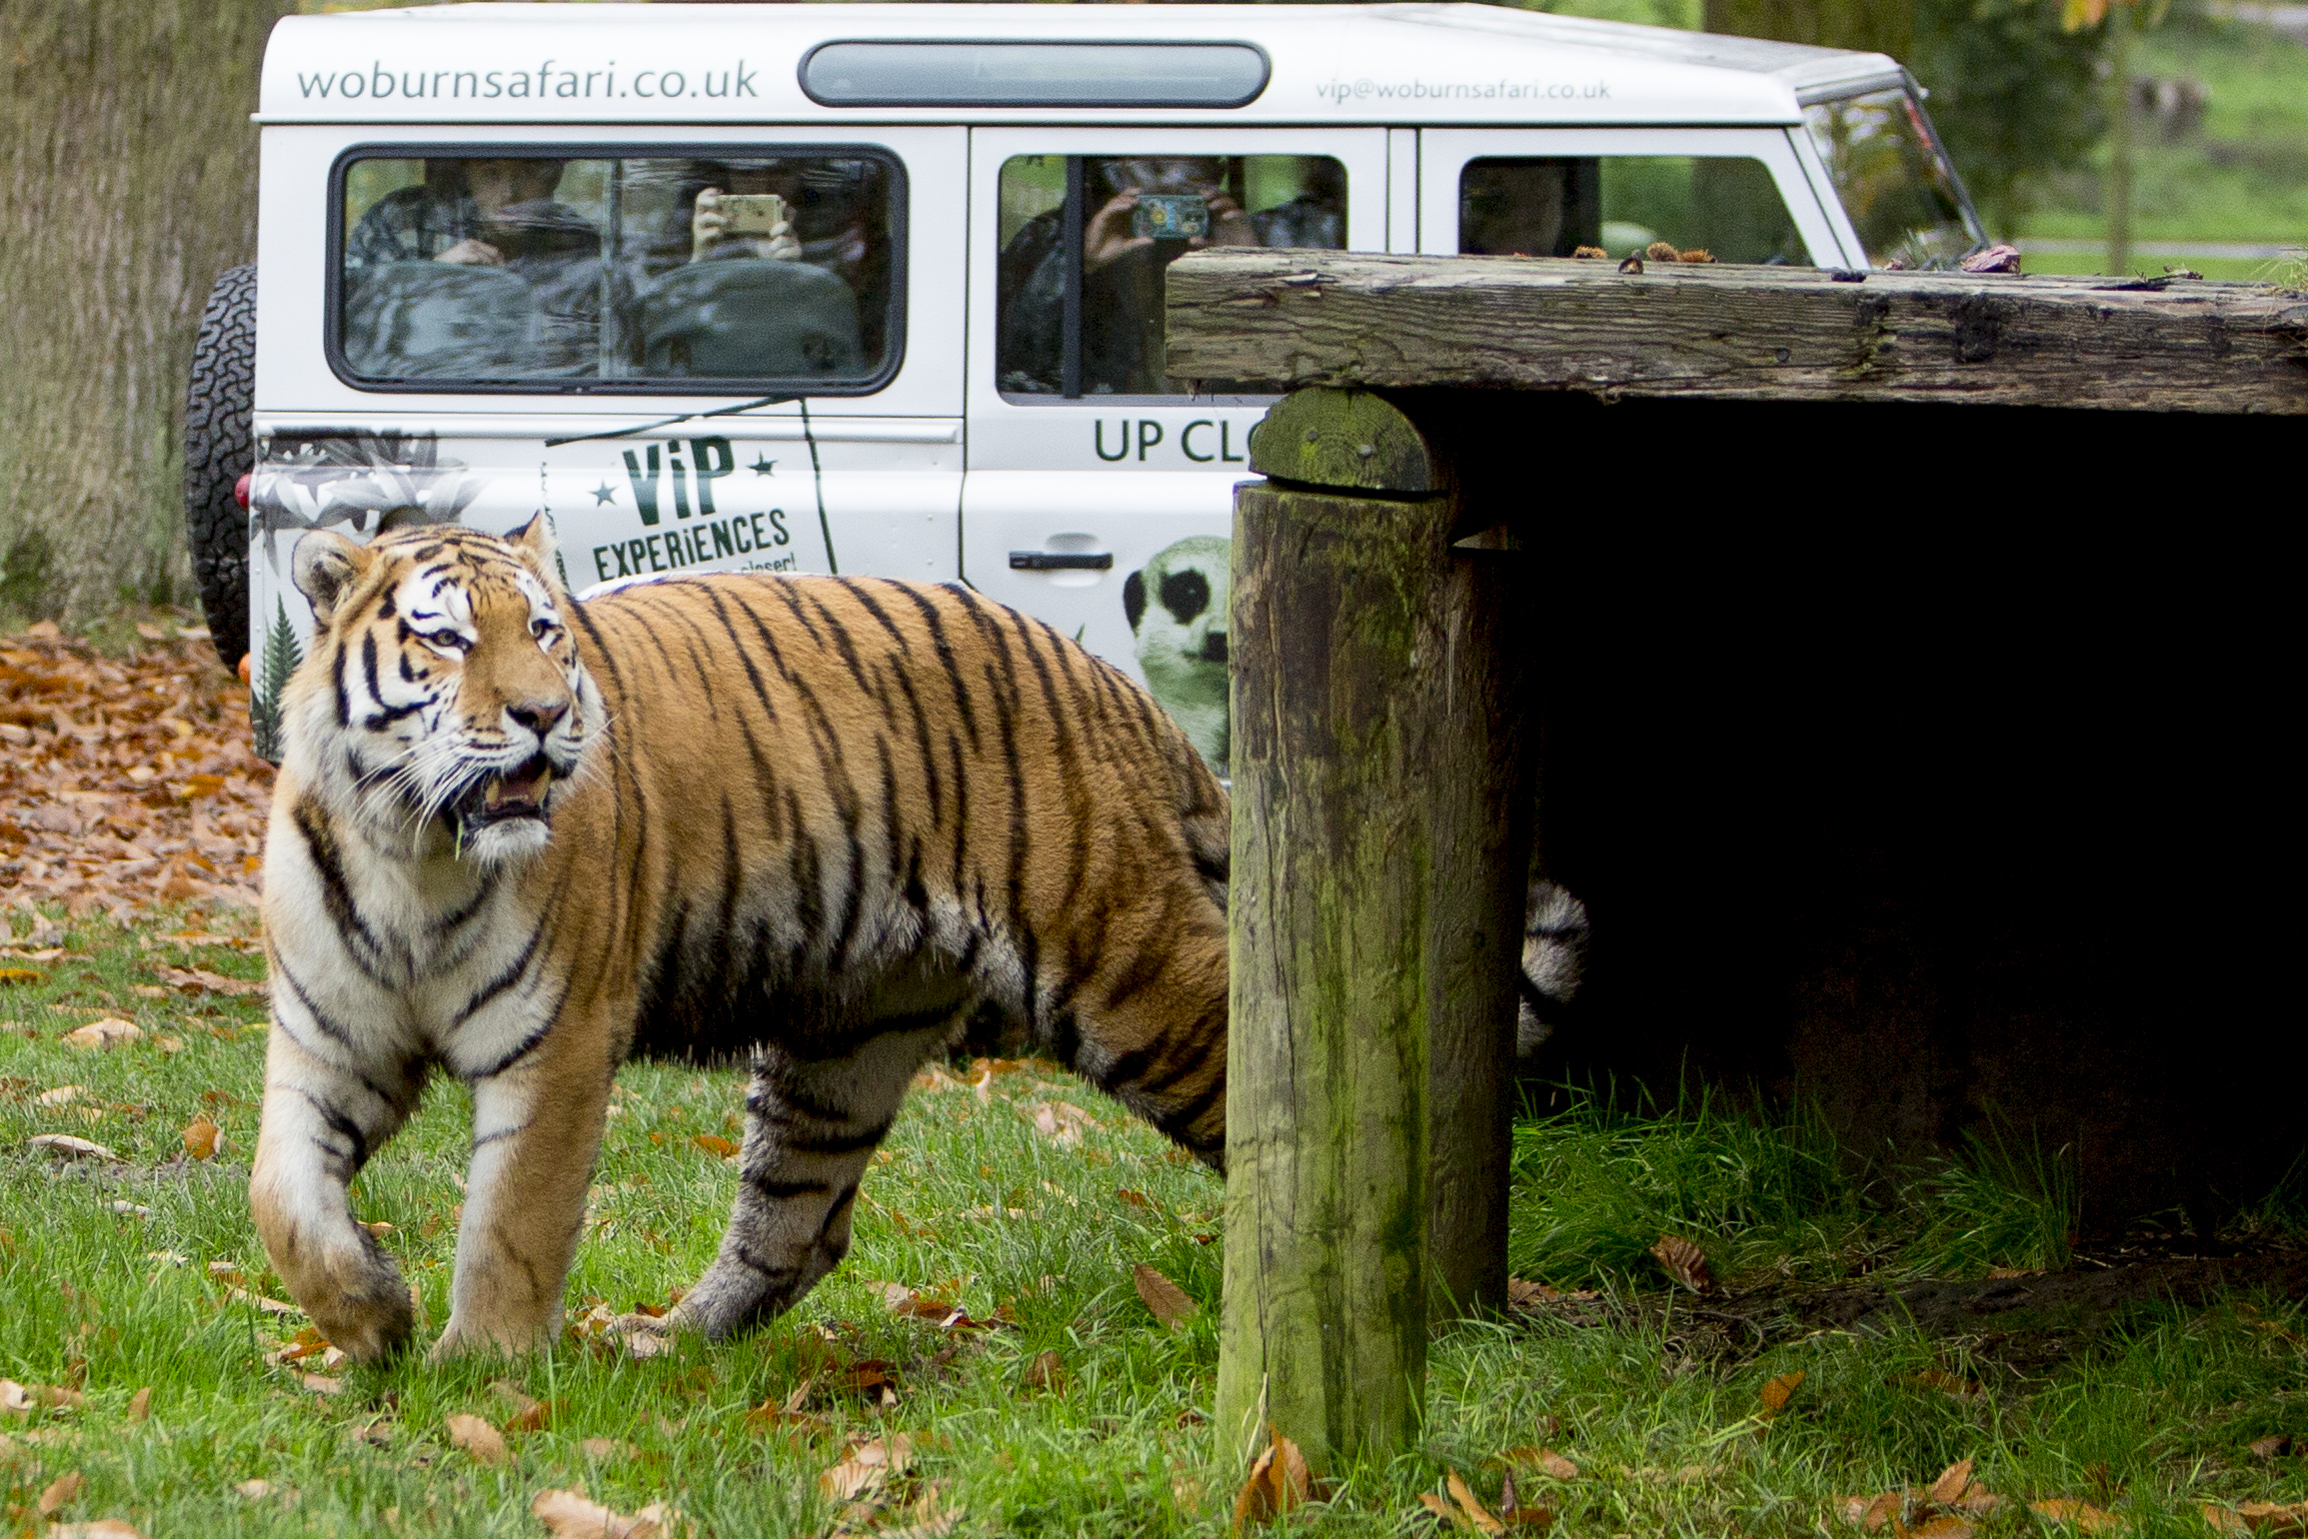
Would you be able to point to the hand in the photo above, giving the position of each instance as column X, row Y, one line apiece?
column 1229, row 225
column 709, row 231
column 1107, row 238
column 472, row 252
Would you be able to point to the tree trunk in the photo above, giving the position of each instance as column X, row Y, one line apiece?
column 1879, row 26
column 127, row 182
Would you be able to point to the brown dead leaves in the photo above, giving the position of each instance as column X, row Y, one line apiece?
column 109, row 1032
column 1278, row 1481
column 1163, row 1298
column 484, row 1443
column 1945, row 1509
column 202, row 1138
column 875, row 1486
column 24, row 1399
column 125, row 782
column 571, row 1514
column 2274, row 1519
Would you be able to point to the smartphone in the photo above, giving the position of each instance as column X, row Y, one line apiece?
column 1170, row 215
column 752, row 213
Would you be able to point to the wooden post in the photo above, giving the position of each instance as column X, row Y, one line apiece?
column 1375, row 920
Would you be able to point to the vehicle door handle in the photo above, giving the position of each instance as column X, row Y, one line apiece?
column 1061, row 560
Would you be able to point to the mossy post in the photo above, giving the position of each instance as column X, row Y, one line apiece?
column 1381, row 825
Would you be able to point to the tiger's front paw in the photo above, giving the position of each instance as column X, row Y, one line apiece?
column 733, row 1296
column 368, row 1316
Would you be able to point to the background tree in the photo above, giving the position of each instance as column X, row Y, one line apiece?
column 127, row 182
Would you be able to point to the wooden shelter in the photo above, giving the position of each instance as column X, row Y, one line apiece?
column 1894, row 662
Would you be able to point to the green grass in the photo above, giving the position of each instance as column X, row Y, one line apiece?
column 1667, row 1436
column 2241, row 177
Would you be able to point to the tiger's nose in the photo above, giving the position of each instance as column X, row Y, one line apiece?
column 1214, row 647
column 539, row 716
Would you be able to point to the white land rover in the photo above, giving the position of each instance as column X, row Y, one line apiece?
column 877, row 289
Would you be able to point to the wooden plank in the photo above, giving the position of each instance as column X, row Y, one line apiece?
column 1293, row 318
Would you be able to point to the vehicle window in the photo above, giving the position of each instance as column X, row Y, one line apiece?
column 1894, row 179
column 1085, row 240
column 748, row 271
column 1727, row 206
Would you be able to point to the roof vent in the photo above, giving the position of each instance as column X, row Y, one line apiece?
column 1007, row 74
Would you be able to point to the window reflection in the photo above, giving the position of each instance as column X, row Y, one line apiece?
column 1556, row 206
column 741, row 269
column 1136, row 215
column 1894, row 180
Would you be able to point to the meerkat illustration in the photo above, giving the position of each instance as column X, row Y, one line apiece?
column 1177, row 610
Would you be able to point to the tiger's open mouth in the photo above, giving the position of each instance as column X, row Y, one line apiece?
column 517, row 793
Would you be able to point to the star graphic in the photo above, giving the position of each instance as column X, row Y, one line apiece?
column 604, row 493
column 763, row 467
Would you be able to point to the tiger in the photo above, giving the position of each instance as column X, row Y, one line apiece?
column 813, row 825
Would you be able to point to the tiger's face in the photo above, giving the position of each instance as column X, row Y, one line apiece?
column 445, row 698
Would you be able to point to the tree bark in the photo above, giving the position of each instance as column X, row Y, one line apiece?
column 127, row 182
column 1878, row 26
column 1381, row 822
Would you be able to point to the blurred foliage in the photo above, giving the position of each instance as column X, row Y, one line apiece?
column 2014, row 94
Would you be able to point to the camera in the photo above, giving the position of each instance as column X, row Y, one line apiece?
column 752, row 213
column 1170, row 215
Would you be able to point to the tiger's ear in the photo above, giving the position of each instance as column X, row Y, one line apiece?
column 325, row 568
column 536, row 537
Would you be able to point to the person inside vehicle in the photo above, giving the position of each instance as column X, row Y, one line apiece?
column 1122, row 269
column 498, row 214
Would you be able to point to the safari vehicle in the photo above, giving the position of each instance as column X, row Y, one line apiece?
column 876, row 289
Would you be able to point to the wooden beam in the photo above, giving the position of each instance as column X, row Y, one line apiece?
column 1293, row 318
column 1380, row 830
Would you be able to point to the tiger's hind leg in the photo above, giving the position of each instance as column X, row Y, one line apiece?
column 812, row 1123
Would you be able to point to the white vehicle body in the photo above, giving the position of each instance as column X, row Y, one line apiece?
column 933, row 469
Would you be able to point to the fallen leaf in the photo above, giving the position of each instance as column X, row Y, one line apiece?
column 36, row 1397
column 1777, row 1391
column 259, row 1301
column 924, row 1519
column 108, row 1032
column 68, row 1147
column 322, row 1384
column 2267, row 1447
column 1278, row 1481
column 2273, row 1517
column 1946, row 1525
column 1952, row 1481
column 1478, row 1517
column 571, row 1514
column 714, row 1144
column 1136, row 1199
column 476, row 1437
column 102, row 1528
column 1047, row 1371
column 866, row 1468
column 140, row 1404
column 21, row 975
column 1946, row 1383
column 2091, row 1519
column 1684, row 1261
column 60, row 1492
column 1061, row 1122
column 1545, row 1460
column 1978, row 1500
column 200, row 1138
column 522, row 1414
column 198, row 981
column 1881, row 1509
column 1164, row 1298
column 254, row 1490
column 2221, row 1520
column 62, row 1095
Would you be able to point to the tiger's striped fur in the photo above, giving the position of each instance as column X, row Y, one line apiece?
column 811, row 821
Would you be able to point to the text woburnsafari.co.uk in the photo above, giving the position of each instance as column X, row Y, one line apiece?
column 548, row 79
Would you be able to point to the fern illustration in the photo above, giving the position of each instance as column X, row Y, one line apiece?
column 282, row 655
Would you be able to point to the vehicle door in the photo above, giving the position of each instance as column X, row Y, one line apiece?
column 1739, row 194
column 1099, row 490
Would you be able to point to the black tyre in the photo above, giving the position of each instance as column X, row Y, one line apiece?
column 220, row 448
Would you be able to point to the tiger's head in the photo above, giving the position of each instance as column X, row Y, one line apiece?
column 444, row 703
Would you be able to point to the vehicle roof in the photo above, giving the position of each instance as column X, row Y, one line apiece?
column 1363, row 64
